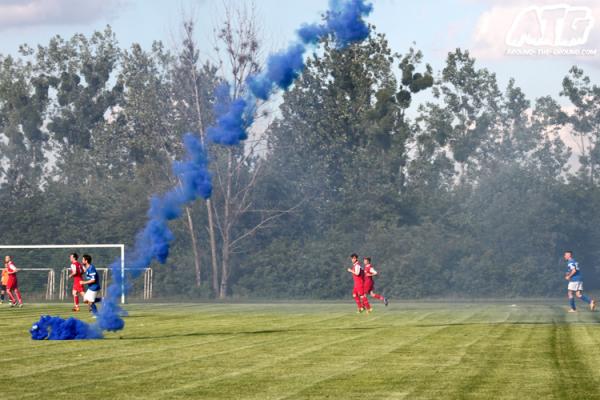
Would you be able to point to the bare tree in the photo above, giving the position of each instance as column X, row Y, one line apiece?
column 189, row 60
column 238, row 169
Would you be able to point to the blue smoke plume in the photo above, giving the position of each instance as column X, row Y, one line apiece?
column 344, row 21
column 233, row 118
column 152, row 243
column 56, row 328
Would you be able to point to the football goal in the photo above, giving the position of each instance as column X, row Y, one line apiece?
column 47, row 267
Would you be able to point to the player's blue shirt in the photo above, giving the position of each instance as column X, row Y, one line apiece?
column 573, row 265
column 91, row 273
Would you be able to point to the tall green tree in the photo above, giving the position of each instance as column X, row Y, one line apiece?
column 23, row 138
column 584, row 121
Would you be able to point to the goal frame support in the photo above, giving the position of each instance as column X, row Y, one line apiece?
column 77, row 246
column 50, row 281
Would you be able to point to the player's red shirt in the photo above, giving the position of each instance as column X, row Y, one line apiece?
column 12, row 277
column 77, row 271
column 369, row 270
column 358, row 275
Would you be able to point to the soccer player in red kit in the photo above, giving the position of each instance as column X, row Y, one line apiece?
column 358, row 292
column 369, row 285
column 76, row 272
column 12, row 285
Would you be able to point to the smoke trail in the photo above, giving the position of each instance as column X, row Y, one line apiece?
column 151, row 243
column 344, row 22
column 233, row 118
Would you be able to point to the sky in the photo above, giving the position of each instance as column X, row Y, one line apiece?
column 489, row 29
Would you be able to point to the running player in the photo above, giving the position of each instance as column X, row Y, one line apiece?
column 12, row 284
column 92, row 280
column 573, row 275
column 358, row 292
column 369, row 285
column 3, row 283
column 76, row 272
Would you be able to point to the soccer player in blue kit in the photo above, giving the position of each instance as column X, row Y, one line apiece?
column 573, row 275
column 92, row 280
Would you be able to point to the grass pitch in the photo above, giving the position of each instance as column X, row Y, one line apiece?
column 311, row 351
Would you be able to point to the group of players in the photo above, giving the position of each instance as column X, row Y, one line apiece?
column 83, row 273
column 363, row 284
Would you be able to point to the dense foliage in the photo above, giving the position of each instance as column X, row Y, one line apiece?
column 454, row 186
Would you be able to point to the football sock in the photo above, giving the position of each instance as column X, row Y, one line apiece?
column 18, row 293
column 572, row 302
column 586, row 299
column 76, row 300
column 94, row 308
column 358, row 303
column 11, row 297
column 2, row 296
column 366, row 302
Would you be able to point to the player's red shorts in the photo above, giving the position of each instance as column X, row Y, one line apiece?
column 358, row 291
column 77, row 286
column 12, row 283
column 368, row 287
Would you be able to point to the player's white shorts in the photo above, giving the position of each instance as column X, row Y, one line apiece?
column 575, row 286
column 90, row 296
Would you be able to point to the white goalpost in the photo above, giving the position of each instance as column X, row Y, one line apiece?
column 51, row 273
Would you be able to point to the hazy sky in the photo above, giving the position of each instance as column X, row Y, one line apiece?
column 436, row 26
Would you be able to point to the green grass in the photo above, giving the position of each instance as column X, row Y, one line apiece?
column 311, row 351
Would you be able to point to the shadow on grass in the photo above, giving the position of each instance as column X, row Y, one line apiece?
column 252, row 333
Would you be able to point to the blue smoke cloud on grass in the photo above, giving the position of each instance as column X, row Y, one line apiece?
column 344, row 21
column 56, row 328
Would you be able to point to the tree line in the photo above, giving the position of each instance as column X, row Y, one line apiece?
column 454, row 185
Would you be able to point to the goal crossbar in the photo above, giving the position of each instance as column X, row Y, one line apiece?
column 78, row 246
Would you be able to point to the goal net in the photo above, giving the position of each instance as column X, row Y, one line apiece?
column 44, row 270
